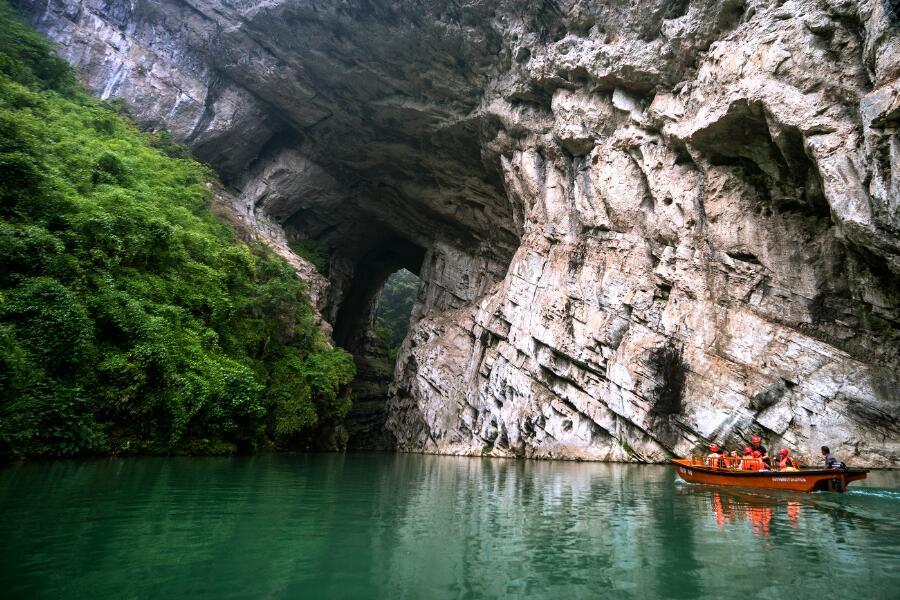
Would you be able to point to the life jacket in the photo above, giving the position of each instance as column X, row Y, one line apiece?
column 832, row 463
column 786, row 462
column 752, row 464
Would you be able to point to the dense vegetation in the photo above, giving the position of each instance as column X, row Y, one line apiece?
column 394, row 310
column 315, row 251
column 131, row 318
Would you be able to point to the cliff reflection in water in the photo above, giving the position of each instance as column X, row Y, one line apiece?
column 411, row 526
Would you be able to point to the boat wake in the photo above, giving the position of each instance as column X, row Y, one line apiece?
column 882, row 493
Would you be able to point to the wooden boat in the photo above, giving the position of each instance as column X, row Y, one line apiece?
column 802, row 480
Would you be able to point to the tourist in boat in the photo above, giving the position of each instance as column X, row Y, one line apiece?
column 745, row 459
column 713, row 458
column 830, row 461
column 753, row 462
column 735, row 460
column 786, row 463
column 756, row 445
column 724, row 460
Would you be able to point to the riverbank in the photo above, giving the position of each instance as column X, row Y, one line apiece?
column 231, row 452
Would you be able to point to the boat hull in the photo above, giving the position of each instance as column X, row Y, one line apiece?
column 804, row 480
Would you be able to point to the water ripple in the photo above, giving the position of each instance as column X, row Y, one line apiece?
column 401, row 526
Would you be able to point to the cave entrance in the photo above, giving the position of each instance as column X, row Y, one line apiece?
column 387, row 276
column 394, row 311
column 357, row 310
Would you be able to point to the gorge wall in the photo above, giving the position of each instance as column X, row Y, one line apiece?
column 640, row 225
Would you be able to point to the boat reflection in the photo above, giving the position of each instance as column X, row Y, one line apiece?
column 728, row 507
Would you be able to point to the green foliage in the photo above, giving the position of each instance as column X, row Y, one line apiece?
column 162, row 140
column 130, row 317
column 29, row 59
column 394, row 310
column 315, row 251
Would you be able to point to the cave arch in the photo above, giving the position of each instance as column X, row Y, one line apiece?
column 353, row 331
column 357, row 308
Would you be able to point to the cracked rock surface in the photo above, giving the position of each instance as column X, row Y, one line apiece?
column 640, row 226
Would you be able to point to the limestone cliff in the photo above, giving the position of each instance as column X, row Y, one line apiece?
column 640, row 225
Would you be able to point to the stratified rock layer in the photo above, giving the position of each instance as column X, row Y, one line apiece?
column 640, row 226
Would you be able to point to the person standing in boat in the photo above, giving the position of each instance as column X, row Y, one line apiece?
column 830, row 461
column 756, row 446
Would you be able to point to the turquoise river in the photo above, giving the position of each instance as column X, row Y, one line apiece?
column 409, row 526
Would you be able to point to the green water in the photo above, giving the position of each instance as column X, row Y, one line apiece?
column 408, row 526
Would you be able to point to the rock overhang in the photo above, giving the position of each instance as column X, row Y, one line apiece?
column 588, row 183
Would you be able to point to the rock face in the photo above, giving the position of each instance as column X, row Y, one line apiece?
column 641, row 226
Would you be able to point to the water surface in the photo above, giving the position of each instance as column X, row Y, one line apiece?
column 409, row 526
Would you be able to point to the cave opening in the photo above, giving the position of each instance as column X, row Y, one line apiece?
column 394, row 311
column 356, row 314
column 388, row 271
